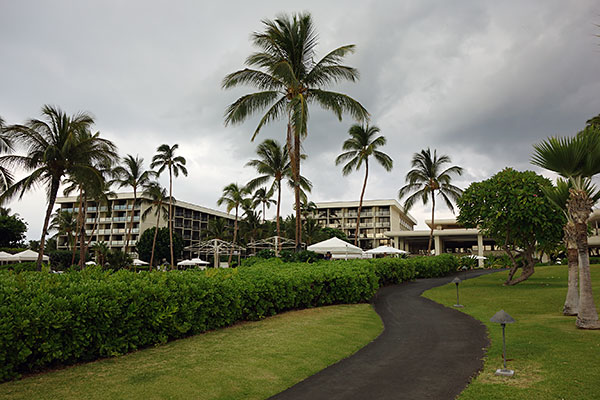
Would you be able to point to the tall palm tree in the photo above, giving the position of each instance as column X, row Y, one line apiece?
column 155, row 196
column 357, row 150
column 132, row 173
column 233, row 197
column 165, row 159
column 289, row 80
column 426, row 180
column 577, row 159
column 264, row 197
column 57, row 147
column 6, row 146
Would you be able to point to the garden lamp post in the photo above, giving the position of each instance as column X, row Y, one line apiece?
column 502, row 318
column 457, row 281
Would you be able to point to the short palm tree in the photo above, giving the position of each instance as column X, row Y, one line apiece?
column 426, row 180
column 101, row 251
column 57, row 147
column 132, row 173
column 264, row 197
column 289, row 80
column 165, row 159
column 362, row 144
column 233, row 197
column 65, row 223
column 577, row 159
column 217, row 229
column 155, row 196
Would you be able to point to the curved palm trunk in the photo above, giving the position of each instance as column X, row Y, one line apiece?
column 278, row 246
column 572, row 300
column 77, row 226
column 361, row 201
column 51, row 200
column 432, row 222
column 580, row 207
column 82, row 234
column 235, row 228
column 95, row 226
column 171, row 216
column 297, row 191
column 128, row 238
column 155, row 235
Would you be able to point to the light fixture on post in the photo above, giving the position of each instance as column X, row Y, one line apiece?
column 501, row 317
column 457, row 281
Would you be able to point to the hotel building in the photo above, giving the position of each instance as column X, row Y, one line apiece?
column 110, row 224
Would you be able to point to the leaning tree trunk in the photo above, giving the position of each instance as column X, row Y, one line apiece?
column 528, row 267
column 432, row 222
column 155, row 235
column 362, row 194
column 580, row 208
column 297, row 191
column 235, row 228
column 51, row 200
column 128, row 237
column 82, row 233
column 278, row 244
column 77, row 226
column 572, row 299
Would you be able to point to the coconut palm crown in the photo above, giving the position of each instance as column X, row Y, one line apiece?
column 289, row 79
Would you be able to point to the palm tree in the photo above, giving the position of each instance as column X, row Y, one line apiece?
column 288, row 80
column 165, row 159
column 361, row 145
column 217, row 229
column 233, row 197
column 101, row 250
column 133, row 174
column 57, row 147
column 155, row 196
column 6, row 146
column 427, row 180
column 263, row 197
column 577, row 159
column 65, row 223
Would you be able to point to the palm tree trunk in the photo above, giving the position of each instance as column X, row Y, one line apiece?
column 432, row 222
column 278, row 246
column 79, row 214
column 171, row 216
column 297, row 190
column 51, row 200
column 155, row 235
column 82, row 233
column 235, row 227
column 361, row 201
column 95, row 226
column 131, row 221
column 572, row 300
column 264, row 210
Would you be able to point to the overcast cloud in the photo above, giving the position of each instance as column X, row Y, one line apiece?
column 479, row 81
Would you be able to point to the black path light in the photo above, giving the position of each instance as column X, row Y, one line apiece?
column 501, row 317
column 457, row 281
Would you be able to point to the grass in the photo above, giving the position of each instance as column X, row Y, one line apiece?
column 251, row 360
column 552, row 359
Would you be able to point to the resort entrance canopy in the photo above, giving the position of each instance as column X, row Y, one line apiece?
column 272, row 243
column 215, row 247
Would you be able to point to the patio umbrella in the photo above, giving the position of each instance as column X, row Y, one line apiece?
column 29, row 255
column 198, row 261
column 386, row 250
column 137, row 261
column 90, row 263
column 185, row 262
column 337, row 247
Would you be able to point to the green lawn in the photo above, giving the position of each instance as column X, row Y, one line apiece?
column 551, row 358
column 251, row 360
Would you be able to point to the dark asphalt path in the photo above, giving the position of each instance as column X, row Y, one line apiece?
column 426, row 351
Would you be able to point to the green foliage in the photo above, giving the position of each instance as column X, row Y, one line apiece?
column 19, row 267
column 61, row 259
column 162, row 251
column 265, row 253
column 328, row 233
column 13, row 250
column 117, row 259
column 300, row 256
column 12, row 230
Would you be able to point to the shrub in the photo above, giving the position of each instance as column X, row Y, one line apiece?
column 60, row 260
column 19, row 267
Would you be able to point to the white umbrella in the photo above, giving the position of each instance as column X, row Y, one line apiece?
column 137, row 261
column 474, row 257
column 186, row 262
column 337, row 247
column 90, row 263
column 386, row 250
column 198, row 261
column 29, row 255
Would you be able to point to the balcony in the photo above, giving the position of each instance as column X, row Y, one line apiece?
column 117, row 243
column 383, row 213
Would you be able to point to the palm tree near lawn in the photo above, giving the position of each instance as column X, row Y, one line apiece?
column 6, row 146
column 264, row 197
column 132, row 173
column 165, row 159
column 155, row 196
column 361, row 145
column 234, row 196
column 289, row 80
column 577, row 159
column 426, row 180
column 57, row 147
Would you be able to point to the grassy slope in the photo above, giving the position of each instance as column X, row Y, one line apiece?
column 250, row 360
column 551, row 358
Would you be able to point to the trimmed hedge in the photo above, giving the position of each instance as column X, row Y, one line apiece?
column 55, row 319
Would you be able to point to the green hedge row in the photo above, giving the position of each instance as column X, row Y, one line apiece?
column 54, row 319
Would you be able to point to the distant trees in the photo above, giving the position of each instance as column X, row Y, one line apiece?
column 428, row 179
column 162, row 247
column 511, row 208
column 12, row 230
column 234, row 197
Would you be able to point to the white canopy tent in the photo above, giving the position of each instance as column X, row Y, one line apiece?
column 28, row 255
column 90, row 263
column 137, row 261
column 337, row 247
column 7, row 258
column 198, row 261
column 194, row 262
column 386, row 250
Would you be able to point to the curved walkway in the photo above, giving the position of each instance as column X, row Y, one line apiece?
column 426, row 351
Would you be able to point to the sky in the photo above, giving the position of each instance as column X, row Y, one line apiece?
column 479, row 81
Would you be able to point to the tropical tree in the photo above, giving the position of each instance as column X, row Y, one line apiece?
column 12, row 230
column 577, row 159
column 362, row 144
column 427, row 180
column 289, row 80
column 264, row 197
column 101, row 251
column 217, row 229
column 165, row 159
column 161, row 244
column 6, row 146
column 132, row 173
column 57, row 147
column 65, row 223
column 233, row 197
column 155, row 196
